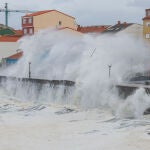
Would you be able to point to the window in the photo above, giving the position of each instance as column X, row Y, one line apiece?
column 30, row 20
column 30, row 30
column 60, row 23
column 147, row 36
column 148, row 24
column 25, row 31
column 24, row 20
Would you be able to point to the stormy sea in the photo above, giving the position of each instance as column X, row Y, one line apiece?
column 90, row 115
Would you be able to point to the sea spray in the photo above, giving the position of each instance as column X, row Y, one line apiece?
column 134, row 106
column 59, row 56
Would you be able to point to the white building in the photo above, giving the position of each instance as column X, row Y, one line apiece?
column 8, row 46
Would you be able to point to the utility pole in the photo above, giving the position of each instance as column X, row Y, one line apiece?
column 29, row 70
column 6, row 14
column 109, row 66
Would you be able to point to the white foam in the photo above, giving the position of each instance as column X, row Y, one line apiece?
column 55, row 55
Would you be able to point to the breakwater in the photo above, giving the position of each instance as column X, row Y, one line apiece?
column 128, row 89
column 36, row 89
column 37, row 81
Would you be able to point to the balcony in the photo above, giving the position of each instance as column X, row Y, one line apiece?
column 27, row 22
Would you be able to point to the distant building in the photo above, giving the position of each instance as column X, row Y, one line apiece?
column 2, row 26
column 12, row 59
column 146, row 25
column 8, row 31
column 5, row 30
column 130, row 28
column 34, row 22
column 92, row 29
column 8, row 41
column 8, row 46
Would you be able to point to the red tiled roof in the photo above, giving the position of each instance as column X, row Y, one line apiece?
column 148, row 17
column 16, row 56
column 18, row 32
column 67, row 28
column 9, row 38
column 45, row 11
column 92, row 29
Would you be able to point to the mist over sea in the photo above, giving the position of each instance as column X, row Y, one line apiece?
column 91, row 116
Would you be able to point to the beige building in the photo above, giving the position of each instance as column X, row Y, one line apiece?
column 146, row 25
column 70, row 31
column 34, row 22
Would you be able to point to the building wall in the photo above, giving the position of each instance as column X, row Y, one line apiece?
column 135, row 30
column 8, row 48
column 146, row 25
column 146, row 29
column 52, row 19
column 71, row 32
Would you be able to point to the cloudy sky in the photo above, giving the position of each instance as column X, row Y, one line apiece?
column 86, row 12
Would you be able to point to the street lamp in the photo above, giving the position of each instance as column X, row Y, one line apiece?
column 29, row 70
column 109, row 66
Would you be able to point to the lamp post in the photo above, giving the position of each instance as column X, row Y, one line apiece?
column 109, row 66
column 29, row 70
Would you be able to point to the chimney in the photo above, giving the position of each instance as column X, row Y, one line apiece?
column 119, row 23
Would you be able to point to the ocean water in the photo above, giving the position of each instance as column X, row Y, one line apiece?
column 91, row 115
column 28, row 125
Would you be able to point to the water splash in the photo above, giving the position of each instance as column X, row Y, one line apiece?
column 55, row 55
column 134, row 106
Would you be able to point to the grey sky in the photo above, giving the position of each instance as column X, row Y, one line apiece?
column 86, row 12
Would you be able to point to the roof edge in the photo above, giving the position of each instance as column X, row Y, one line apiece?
column 146, row 18
column 46, row 11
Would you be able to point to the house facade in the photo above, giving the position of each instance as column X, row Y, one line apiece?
column 146, row 25
column 34, row 22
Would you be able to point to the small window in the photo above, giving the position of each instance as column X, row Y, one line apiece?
column 147, row 36
column 148, row 24
column 60, row 23
column 25, row 31
column 30, row 20
column 30, row 30
column 24, row 20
